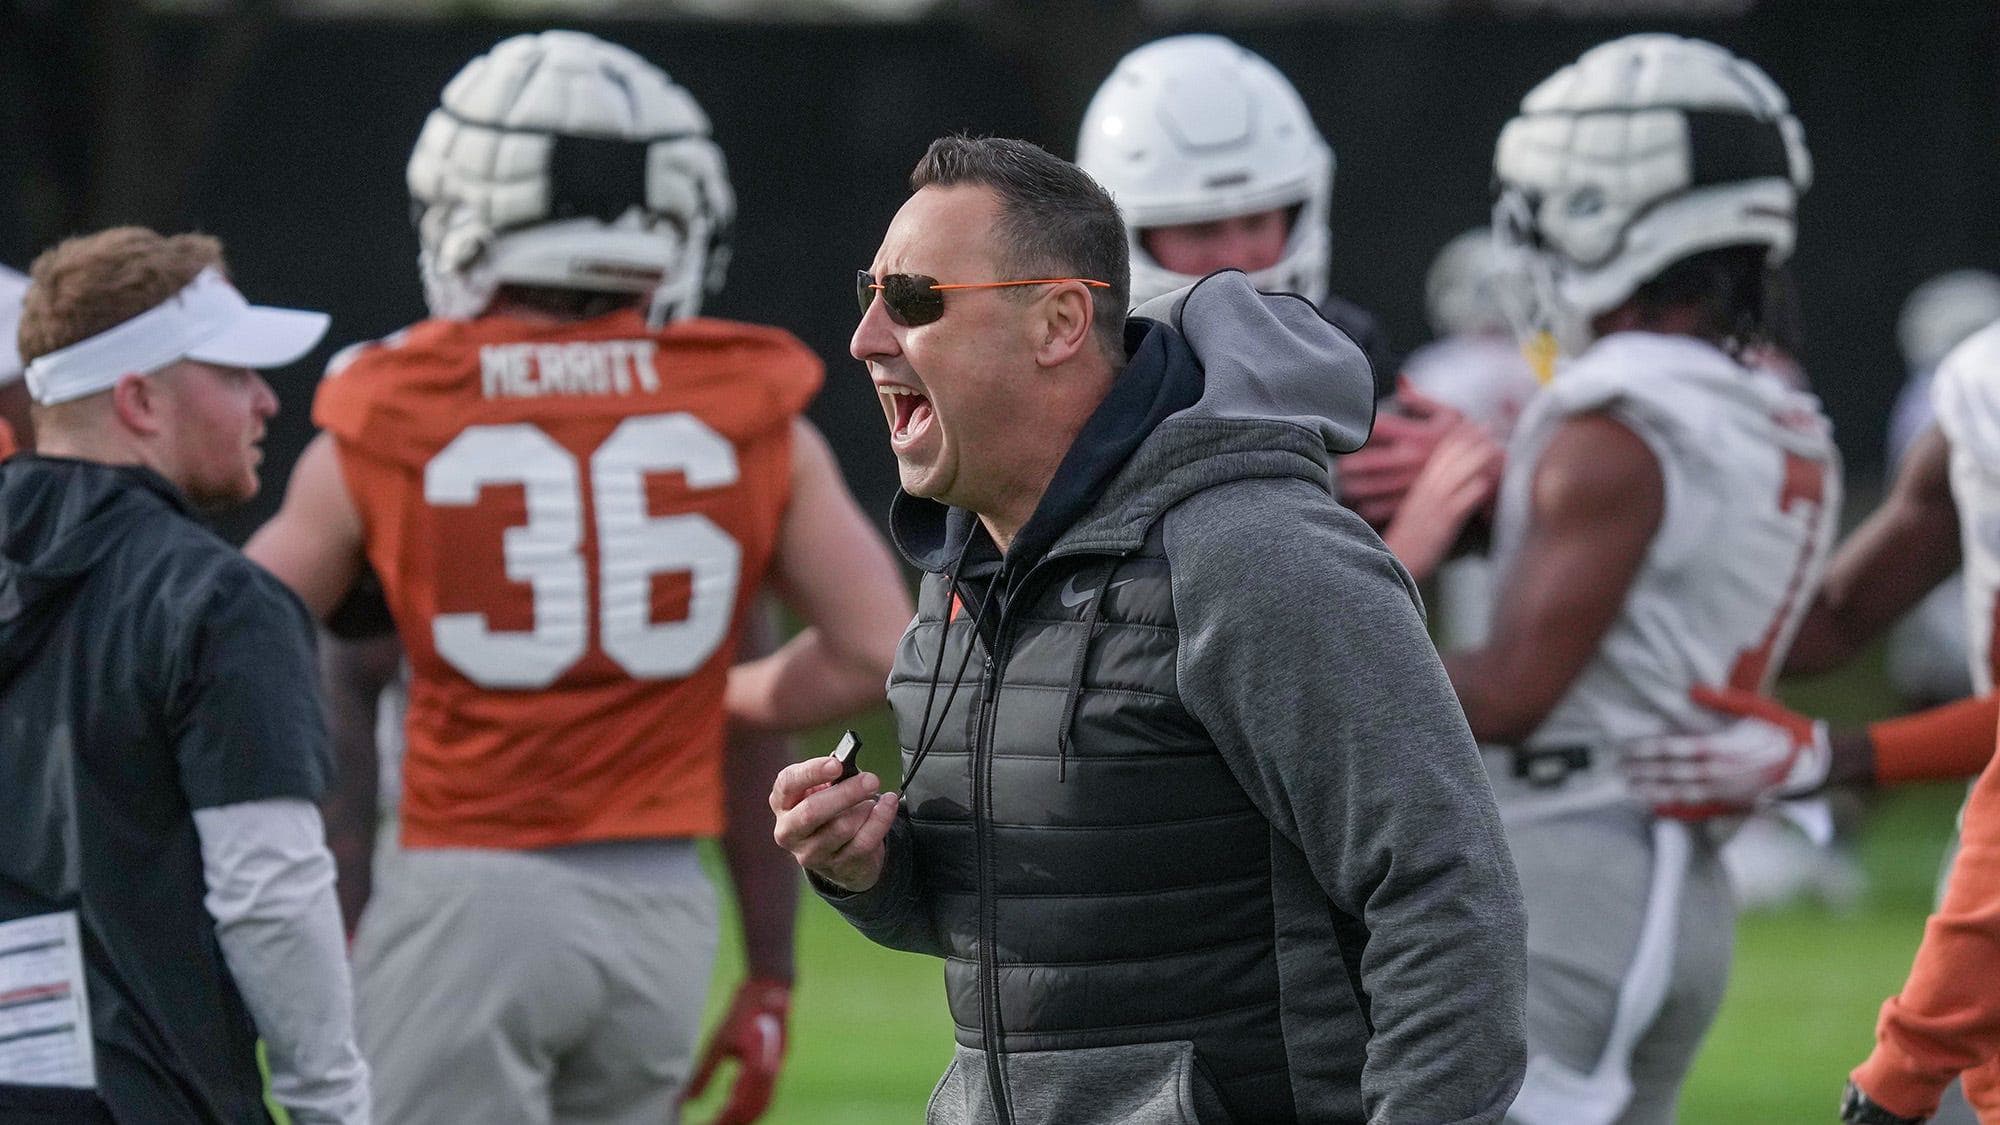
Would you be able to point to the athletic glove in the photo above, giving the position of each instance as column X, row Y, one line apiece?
column 753, row 1033
column 1767, row 754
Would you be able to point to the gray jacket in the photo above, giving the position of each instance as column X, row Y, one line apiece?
column 1191, row 810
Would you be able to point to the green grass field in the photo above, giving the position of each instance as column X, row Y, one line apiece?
column 870, row 1033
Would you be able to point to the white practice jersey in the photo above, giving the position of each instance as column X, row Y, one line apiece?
column 1967, row 396
column 1752, row 505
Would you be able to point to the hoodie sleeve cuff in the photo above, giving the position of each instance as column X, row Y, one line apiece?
column 1898, row 1085
column 872, row 905
column 892, row 912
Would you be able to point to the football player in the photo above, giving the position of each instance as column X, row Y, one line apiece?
column 1475, row 368
column 1941, row 509
column 1945, row 1023
column 572, row 488
column 1475, row 365
column 1663, row 505
column 1215, row 163
column 1927, row 648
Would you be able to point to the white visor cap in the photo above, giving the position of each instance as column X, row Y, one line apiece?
column 208, row 321
column 12, row 285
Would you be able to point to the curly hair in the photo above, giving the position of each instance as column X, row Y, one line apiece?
column 87, row 284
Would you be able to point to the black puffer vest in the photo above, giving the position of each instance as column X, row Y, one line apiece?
column 1079, row 837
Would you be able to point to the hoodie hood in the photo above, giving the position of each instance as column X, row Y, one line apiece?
column 1270, row 358
column 1222, row 383
column 58, row 519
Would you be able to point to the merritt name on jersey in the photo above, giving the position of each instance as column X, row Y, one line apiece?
column 582, row 367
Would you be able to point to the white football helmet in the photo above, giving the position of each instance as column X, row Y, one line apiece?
column 564, row 161
column 1645, row 151
column 1943, row 311
column 1462, row 289
column 1194, row 128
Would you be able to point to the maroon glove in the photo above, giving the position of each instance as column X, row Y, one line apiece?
column 753, row 1033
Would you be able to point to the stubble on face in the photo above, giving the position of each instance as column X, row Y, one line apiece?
column 216, row 430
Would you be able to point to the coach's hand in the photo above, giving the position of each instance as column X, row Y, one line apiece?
column 753, row 1033
column 834, row 831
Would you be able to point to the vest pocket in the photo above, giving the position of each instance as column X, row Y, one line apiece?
column 1130, row 1084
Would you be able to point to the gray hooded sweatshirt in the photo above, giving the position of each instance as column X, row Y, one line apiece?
column 1190, row 809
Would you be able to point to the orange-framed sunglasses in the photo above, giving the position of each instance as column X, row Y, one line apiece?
column 913, row 299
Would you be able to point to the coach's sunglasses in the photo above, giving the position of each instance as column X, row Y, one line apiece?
column 913, row 299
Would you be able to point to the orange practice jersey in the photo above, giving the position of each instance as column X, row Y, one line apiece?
column 8, row 446
column 568, row 520
column 1945, row 1023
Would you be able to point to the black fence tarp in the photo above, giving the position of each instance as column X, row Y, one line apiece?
column 299, row 167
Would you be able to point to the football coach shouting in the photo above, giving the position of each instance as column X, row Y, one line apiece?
column 1187, row 803
column 166, row 895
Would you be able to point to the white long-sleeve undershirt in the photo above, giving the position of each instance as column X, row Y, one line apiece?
column 270, row 889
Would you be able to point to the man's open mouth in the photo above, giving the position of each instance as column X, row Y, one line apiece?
column 910, row 413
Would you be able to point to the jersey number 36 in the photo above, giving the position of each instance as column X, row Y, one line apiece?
column 632, row 547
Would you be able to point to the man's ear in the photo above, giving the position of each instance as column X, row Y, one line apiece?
column 1063, row 324
column 141, row 404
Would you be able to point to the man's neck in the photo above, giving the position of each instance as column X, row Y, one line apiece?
column 1003, row 534
column 1014, row 502
column 1677, row 320
column 1066, row 407
column 556, row 311
column 90, row 445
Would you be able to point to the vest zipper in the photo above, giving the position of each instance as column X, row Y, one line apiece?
column 990, row 1029
column 990, row 1025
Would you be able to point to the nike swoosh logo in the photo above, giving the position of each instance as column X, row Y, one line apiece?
column 1073, row 597
column 770, row 1042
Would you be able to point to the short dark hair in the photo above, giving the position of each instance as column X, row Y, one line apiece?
column 1730, row 287
column 1055, row 221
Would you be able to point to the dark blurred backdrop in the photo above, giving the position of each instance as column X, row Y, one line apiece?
column 287, row 137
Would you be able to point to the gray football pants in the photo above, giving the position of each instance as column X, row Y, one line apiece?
column 1630, row 929
column 525, row 988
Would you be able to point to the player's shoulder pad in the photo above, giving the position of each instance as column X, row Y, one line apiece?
column 1613, row 368
column 346, row 357
column 1671, row 384
column 767, row 357
column 361, row 376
